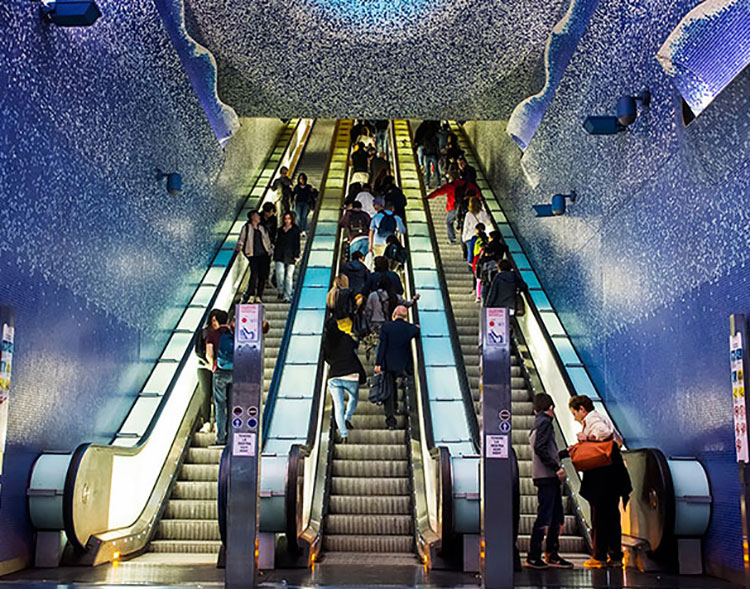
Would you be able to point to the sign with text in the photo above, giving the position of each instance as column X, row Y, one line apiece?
column 495, row 330
column 248, row 326
column 736, row 356
column 496, row 446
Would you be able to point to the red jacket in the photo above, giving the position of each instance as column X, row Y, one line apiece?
column 451, row 189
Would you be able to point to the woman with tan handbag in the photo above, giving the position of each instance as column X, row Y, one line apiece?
column 605, row 480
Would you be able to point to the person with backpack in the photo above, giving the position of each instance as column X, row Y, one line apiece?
column 304, row 198
column 220, row 354
column 381, row 269
column 395, row 253
column 255, row 244
column 394, row 358
column 357, row 272
column 505, row 287
column 345, row 374
column 383, row 224
column 286, row 255
column 491, row 254
column 283, row 184
column 342, row 303
column 548, row 475
column 205, row 369
column 356, row 222
column 474, row 249
column 379, row 308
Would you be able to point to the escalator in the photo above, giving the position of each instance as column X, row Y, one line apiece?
column 190, row 523
column 369, row 510
column 458, row 282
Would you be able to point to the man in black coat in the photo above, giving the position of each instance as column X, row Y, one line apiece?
column 395, row 357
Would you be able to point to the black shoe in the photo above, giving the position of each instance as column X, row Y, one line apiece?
column 348, row 424
column 338, row 438
column 556, row 561
column 536, row 563
column 390, row 426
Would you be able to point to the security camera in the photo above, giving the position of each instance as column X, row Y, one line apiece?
column 174, row 181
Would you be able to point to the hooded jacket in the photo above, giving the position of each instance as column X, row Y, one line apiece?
column 503, row 290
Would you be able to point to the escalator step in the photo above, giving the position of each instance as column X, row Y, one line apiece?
column 375, row 421
column 352, row 451
column 185, row 546
column 201, row 440
column 190, row 509
column 393, row 525
column 357, row 558
column 385, row 505
column 570, row 527
column 374, row 436
column 188, row 529
column 365, row 487
column 199, row 472
column 568, row 544
column 369, row 544
column 370, row 468
column 197, row 455
column 194, row 490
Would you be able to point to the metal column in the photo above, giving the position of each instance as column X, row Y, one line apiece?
column 244, row 456
column 496, row 466
column 738, row 366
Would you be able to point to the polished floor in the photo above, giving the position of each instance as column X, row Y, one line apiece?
column 140, row 572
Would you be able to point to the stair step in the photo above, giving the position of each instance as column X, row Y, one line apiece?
column 185, row 546
column 188, row 529
column 392, row 525
column 370, row 468
column 191, row 509
column 195, row 490
column 383, row 505
column 368, row 544
column 197, row 455
column 350, row 451
column 376, row 436
column 366, row 487
column 199, row 472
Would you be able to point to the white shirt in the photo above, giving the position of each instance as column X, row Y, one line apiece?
column 367, row 199
column 470, row 224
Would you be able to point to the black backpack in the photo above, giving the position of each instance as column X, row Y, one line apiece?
column 358, row 224
column 387, row 225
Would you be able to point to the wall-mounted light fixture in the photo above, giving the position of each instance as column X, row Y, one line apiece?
column 174, row 181
column 70, row 13
column 556, row 207
column 627, row 112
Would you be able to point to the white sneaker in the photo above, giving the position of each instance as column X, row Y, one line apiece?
column 205, row 428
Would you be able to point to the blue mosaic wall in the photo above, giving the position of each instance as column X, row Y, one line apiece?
column 647, row 265
column 463, row 59
column 95, row 256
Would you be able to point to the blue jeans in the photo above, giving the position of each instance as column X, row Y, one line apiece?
column 431, row 159
column 222, row 386
column 285, row 279
column 549, row 518
column 338, row 387
column 450, row 220
column 359, row 245
column 380, row 141
column 302, row 211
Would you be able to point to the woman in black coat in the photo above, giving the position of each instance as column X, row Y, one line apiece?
column 345, row 374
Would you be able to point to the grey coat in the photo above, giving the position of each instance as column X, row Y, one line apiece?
column 246, row 241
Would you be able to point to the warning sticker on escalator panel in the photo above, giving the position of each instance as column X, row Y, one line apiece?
column 244, row 444
column 496, row 446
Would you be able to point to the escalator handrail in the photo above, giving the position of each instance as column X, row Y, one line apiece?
column 286, row 336
column 458, row 356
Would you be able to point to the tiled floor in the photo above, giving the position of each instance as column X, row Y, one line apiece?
column 141, row 573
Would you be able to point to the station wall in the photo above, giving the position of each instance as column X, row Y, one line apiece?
column 646, row 267
column 96, row 258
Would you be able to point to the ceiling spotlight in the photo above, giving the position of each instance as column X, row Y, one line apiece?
column 70, row 13
column 627, row 112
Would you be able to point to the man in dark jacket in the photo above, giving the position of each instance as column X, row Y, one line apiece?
column 395, row 358
column 468, row 173
column 504, row 286
column 357, row 272
column 548, row 475
column 393, row 194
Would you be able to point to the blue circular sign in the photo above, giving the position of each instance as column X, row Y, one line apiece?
column 252, row 423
